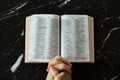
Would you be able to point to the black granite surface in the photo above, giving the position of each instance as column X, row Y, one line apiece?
column 107, row 38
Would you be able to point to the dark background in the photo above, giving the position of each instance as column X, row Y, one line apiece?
column 106, row 14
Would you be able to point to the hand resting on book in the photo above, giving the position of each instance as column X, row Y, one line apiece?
column 59, row 69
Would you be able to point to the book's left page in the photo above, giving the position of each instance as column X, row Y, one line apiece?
column 41, row 38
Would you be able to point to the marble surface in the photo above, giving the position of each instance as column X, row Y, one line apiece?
column 107, row 38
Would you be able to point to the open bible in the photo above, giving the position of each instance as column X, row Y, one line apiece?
column 49, row 35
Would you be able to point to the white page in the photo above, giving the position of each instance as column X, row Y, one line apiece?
column 44, row 37
column 75, row 38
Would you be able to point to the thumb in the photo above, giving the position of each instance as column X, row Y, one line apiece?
column 52, row 73
column 60, row 76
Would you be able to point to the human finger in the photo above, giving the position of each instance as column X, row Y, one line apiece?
column 63, row 60
column 60, row 76
column 57, row 60
column 54, row 71
column 63, row 67
column 53, row 62
column 50, row 75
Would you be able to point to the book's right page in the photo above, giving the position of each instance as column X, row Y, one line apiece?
column 77, row 40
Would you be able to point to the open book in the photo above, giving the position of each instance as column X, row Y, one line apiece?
column 49, row 35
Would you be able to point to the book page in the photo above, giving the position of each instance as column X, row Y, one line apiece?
column 75, row 38
column 43, row 37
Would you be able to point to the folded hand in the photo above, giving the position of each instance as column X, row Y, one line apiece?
column 59, row 69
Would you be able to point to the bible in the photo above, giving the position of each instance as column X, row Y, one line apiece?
column 49, row 35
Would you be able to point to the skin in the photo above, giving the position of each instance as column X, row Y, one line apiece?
column 59, row 69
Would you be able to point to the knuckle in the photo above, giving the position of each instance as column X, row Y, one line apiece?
column 62, row 65
column 55, row 61
column 58, row 57
column 63, row 73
